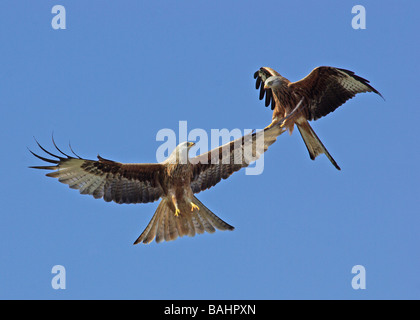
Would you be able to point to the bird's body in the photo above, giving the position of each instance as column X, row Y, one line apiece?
column 174, row 181
column 321, row 92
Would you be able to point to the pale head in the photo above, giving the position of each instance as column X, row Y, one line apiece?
column 273, row 81
column 180, row 153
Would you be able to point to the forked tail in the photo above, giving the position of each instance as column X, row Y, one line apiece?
column 313, row 144
column 165, row 226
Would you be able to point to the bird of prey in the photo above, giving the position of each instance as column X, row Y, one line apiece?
column 175, row 180
column 321, row 92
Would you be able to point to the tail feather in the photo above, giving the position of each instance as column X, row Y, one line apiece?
column 210, row 220
column 198, row 225
column 151, row 229
column 313, row 143
column 171, row 231
column 165, row 226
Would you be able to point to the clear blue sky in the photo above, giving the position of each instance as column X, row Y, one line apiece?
column 122, row 71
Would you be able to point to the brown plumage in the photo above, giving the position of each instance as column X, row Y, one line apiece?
column 175, row 180
column 321, row 92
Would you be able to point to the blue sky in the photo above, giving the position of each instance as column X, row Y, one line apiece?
column 122, row 71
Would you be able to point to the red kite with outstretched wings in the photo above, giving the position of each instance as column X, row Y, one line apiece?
column 175, row 180
column 321, row 92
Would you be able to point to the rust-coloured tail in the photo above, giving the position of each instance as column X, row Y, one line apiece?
column 313, row 144
column 165, row 226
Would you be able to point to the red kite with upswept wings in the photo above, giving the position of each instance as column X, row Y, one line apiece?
column 321, row 92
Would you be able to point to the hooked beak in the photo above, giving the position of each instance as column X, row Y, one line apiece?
column 190, row 144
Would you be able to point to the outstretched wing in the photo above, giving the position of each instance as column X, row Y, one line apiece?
column 327, row 88
column 261, row 75
column 211, row 167
column 110, row 180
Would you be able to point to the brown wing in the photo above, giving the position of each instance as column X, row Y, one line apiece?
column 211, row 167
column 327, row 88
column 261, row 75
column 110, row 180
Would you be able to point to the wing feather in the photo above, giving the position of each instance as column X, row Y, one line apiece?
column 220, row 163
column 107, row 179
column 327, row 88
column 261, row 75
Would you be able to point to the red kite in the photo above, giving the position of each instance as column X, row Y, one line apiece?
column 175, row 180
column 322, row 91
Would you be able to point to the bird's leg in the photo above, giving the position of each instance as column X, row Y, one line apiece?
column 282, row 124
column 293, row 112
column 194, row 206
column 273, row 122
column 286, row 116
column 177, row 211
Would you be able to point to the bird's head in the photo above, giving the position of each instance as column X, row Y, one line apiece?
column 180, row 153
column 273, row 81
column 186, row 145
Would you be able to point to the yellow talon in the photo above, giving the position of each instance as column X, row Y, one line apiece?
column 194, row 206
column 177, row 211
